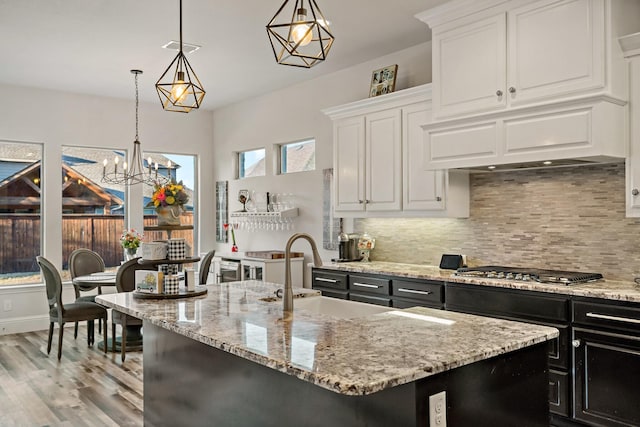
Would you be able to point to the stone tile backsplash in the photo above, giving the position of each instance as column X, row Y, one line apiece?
column 566, row 218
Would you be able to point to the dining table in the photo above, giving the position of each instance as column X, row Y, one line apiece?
column 107, row 279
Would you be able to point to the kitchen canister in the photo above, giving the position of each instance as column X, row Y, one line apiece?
column 171, row 284
column 190, row 279
column 176, row 249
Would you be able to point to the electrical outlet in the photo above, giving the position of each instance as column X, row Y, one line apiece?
column 438, row 409
column 8, row 305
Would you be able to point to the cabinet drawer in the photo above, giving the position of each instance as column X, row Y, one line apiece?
column 559, row 392
column 485, row 300
column 607, row 316
column 429, row 292
column 370, row 299
column 368, row 284
column 333, row 293
column 326, row 279
column 408, row 303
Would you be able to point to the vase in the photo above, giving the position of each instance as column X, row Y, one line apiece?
column 130, row 253
column 168, row 215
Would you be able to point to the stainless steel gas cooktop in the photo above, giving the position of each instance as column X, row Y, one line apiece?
column 528, row 274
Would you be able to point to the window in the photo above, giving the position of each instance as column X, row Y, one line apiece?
column 298, row 156
column 20, row 212
column 183, row 168
column 92, row 211
column 251, row 163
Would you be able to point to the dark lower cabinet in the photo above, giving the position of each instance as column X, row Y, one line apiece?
column 531, row 307
column 606, row 341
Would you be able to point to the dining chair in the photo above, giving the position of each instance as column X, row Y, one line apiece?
column 81, row 263
column 125, row 282
column 205, row 265
column 74, row 312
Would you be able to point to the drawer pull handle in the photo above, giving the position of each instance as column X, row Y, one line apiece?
column 322, row 279
column 616, row 318
column 413, row 291
column 575, row 343
column 365, row 285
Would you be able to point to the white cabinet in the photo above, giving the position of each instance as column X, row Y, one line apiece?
column 367, row 158
column 498, row 54
column 631, row 48
column 378, row 160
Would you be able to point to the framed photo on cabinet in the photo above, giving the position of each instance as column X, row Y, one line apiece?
column 383, row 80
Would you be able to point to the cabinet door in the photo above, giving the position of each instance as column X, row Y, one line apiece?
column 383, row 165
column 469, row 68
column 607, row 369
column 555, row 48
column 422, row 189
column 348, row 161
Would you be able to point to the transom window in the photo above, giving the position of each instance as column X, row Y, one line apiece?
column 251, row 163
column 297, row 156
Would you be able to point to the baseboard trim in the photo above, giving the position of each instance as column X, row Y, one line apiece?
column 17, row 325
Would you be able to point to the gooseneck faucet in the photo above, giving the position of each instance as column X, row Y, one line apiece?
column 288, row 290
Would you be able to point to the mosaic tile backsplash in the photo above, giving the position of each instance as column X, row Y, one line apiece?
column 566, row 218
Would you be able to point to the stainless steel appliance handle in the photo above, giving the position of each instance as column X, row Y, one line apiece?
column 322, row 279
column 616, row 318
column 413, row 291
column 366, row 285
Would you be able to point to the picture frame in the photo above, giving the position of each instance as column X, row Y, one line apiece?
column 383, row 80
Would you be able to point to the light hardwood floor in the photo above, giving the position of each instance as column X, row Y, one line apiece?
column 84, row 388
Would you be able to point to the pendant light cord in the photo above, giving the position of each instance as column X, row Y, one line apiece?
column 136, row 79
column 180, row 26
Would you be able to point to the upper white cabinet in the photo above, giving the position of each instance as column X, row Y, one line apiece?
column 497, row 54
column 367, row 162
column 378, row 160
column 631, row 47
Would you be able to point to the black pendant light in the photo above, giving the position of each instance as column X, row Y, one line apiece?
column 301, row 38
column 134, row 171
column 179, row 88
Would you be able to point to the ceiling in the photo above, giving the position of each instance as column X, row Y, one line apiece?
column 89, row 46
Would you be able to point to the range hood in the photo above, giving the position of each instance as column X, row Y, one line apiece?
column 579, row 132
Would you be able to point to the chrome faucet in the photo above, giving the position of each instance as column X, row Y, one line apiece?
column 288, row 290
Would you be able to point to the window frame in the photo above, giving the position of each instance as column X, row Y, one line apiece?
column 281, row 163
column 241, row 171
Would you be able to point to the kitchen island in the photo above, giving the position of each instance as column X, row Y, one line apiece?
column 230, row 358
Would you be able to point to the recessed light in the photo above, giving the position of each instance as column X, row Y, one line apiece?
column 491, row 167
column 547, row 163
column 186, row 47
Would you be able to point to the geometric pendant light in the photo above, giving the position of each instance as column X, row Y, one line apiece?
column 300, row 37
column 179, row 88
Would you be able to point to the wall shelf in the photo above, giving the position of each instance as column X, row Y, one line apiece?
column 266, row 216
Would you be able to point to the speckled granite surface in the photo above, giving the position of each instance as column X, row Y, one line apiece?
column 607, row 289
column 349, row 356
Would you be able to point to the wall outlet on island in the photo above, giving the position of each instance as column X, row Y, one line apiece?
column 438, row 409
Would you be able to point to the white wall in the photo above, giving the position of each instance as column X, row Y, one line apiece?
column 55, row 119
column 293, row 114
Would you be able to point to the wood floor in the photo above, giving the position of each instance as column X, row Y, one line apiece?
column 84, row 388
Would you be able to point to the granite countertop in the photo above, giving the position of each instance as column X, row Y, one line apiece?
column 608, row 289
column 349, row 356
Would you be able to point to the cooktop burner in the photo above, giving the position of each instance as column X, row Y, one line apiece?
column 528, row 274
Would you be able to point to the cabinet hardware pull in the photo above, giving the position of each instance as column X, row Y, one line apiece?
column 512, row 89
column 322, row 279
column 365, row 285
column 635, row 192
column 575, row 343
column 616, row 318
column 361, row 201
column 367, row 201
column 413, row 291
column 498, row 93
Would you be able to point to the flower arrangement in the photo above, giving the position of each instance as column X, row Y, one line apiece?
column 169, row 194
column 130, row 239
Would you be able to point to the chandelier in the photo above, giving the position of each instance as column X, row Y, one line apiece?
column 180, row 89
column 134, row 171
column 300, row 38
